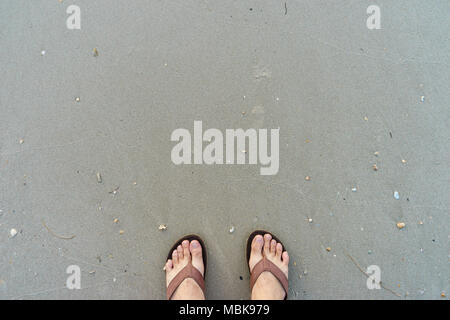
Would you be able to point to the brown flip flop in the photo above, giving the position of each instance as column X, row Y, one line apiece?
column 189, row 271
column 265, row 264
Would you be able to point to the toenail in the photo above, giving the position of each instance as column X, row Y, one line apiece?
column 259, row 239
column 195, row 244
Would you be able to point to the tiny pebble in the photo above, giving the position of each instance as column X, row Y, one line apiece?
column 443, row 294
column 396, row 195
column 99, row 177
column 13, row 232
column 376, row 153
column 307, row 178
column 121, row 232
column 422, row 98
column 310, row 220
column 328, row 249
column 403, row 161
column 162, row 227
column 374, row 167
column 116, row 220
column 43, row 53
column 21, row 141
column 354, row 189
column 77, row 99
column 232, row 229
column 400, row 225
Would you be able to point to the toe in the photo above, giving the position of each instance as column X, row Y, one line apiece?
column 197, row 259
column 257, row 244
column 279, row 250
column 267, row 238
column 169, row 265
column 180, row 252
column 273, row 245
column 196, row 249
column 175, row 257
column 185, row 246
column 285, row 258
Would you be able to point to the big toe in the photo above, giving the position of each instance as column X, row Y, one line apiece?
column 197, row 258
column 256, row 251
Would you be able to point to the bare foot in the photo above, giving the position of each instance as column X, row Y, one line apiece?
column 267, row 287
column 188, row 289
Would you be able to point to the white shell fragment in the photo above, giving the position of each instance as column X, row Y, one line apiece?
column 232, row 229
column 162, row 227
column 401, row 225
column 396, row 195
column 13, row 232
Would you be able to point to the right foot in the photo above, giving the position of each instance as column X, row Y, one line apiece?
column 188, row 289
column 267, row 286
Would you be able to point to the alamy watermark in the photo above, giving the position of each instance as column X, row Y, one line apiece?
column 374, row 20
column 374, row 277
column 73, row 22
column 184, row 152
column 74, row 280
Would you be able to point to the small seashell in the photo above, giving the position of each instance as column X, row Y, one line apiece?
column 13, row 232
column 99, row 177
column 116, row 220
column 401, row 225
column 232, row 229
column 396, row 195
column 162, row 227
